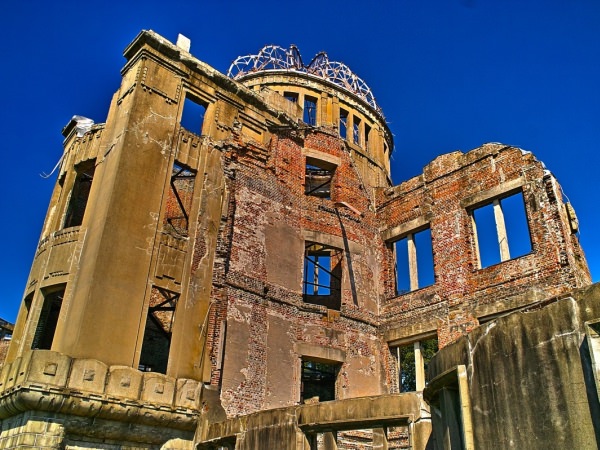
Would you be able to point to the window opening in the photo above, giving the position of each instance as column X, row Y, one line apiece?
column 192, row 116
column 179, row 200
column 501, row 230
column 343, row 124
column 318, row 380
column 157, row 333
column 80, row 193
column 322, row 275
column 414, row 262
column 310, row 110
column 46, row 326
column 412, row 362
column 317, row 179
column 367, row 133
column 356, row 130
column 291, row 96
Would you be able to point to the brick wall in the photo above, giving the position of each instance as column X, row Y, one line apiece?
column 464, row 294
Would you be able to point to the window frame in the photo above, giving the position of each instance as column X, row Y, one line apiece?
column 412, row 259
column 319, row 162
column 502, row 233
column 332, row 295
column 310, row 110
column 420, row 361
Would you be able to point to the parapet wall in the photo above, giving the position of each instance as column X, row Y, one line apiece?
column 132, row 405
column 300, row 427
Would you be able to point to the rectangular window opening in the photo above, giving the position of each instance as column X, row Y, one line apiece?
column 80, row 193
column 310, row 111
column 367, row 135
column 343, row 124
column 356, row 130
column 318, row 177
column 48, row 319
column 192, row 116
column 321, row 284
column 412, row 361
column 318, row 380
column 501, row 230
column 414, row 262
column 179, row 200
column 291, row 96
column 158, row 330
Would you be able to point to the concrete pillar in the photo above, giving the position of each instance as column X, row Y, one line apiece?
column 105, row 303
column 380, row 441
column 330, row 440
column 412, row 262
column 419, row 367
column 501, row 230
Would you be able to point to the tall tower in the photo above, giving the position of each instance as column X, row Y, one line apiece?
column 216, row 230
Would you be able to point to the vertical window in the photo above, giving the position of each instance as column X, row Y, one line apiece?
column 414, row 261
column 317, row 178
column 310, row 110
column 80, row 193
column 157, row 333
column 367, row 135
column 343, row 124
column 192, row 116
column 318, row 380
column 48, row 319
column 501, row 230
column 322, row 275
column 291, row 96
column 412, row 361
column 179, row 200
column 356, row 130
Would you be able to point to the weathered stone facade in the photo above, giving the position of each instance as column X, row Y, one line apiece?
column 196, row 283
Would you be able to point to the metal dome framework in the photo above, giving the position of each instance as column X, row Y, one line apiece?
column 274, row 57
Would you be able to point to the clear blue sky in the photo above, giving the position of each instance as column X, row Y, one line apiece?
column 449, row 75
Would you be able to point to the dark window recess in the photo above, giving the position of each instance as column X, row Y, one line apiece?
column 356, row 130
column 322, row 278
column 179, row 200
column 46, row 326
column 291, row 96
column 192, row 116
column 157, row 334
column 367, row 135
column 318, row 380
column 310, row 111
column 318, row 177
column 343, row 124
column 414, row 262
column 502, row 230
column 80, row 193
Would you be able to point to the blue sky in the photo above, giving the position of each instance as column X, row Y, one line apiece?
column 449, row 75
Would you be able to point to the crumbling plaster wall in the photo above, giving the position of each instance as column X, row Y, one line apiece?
column 463, row 293
column 269, row 326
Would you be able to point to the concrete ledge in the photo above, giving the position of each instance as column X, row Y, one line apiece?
column 49, row 381
column 348, row 414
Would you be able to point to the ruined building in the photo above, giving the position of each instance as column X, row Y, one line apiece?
column 225, row 263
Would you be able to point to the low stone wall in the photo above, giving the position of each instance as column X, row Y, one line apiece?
column 299, row 427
